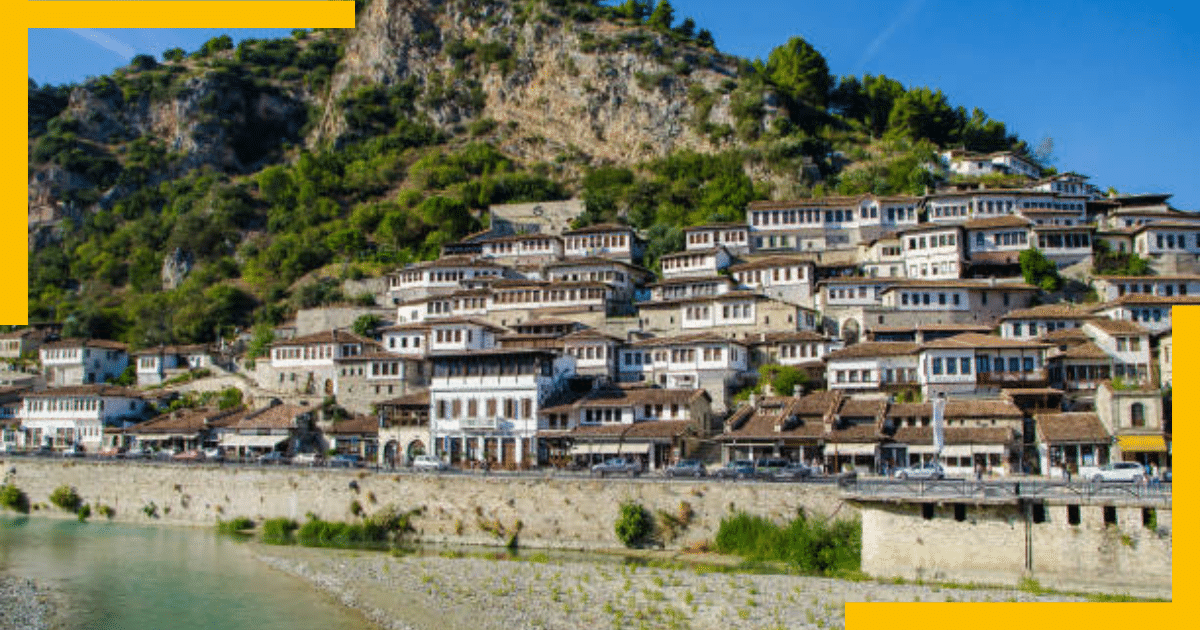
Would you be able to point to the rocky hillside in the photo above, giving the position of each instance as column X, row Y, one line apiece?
column 221, row 189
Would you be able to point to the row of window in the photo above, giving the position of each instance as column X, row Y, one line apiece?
column 594, row 276
column 695, row 289
column 799, row 350
column 66, row 404
column 926, row 299
column 1068, row 240
column 934, row 240
column 594, row 241
column 737, row 237
column 590, row 352
column 491, row 366
column 511, row 408
column 1169, row 241
column 537, row 296
column 517, row 247
column 404, row 341
column 1163, row 289
column 849, row 293
column 690, row 261
column 1146, row 314
column 1131, row 344
column 1018, row 328
column 1003, row 238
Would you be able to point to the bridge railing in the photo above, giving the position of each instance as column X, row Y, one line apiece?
column 1008, row 489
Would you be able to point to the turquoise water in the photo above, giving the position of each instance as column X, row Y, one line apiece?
column 126, row 577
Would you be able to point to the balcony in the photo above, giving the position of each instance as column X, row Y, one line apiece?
column 479, row 423
column 1035, row 378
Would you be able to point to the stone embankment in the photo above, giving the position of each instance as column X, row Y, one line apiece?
column 26, row 604
column 544, row 511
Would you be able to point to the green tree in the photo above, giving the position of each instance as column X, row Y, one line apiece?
column 924, row 113
column 687, row 28
column 662, row 17
column 704, row 39
column 783, row 378
column 143, row 62
column 800, row 73
column 174, row 54
column 1039, row 271
column 365, row 325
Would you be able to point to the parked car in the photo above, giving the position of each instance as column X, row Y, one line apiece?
column 166, row 454
column 308, row 459
column 111, row 452
column 274, row 457
column 428, row 462
column 931, row 470
column 686, row 468
column 74, row 450
column 139, row 453
column 214, row 454
column 616, row 465
column 346, row 460
column 766, row 467
column 1115, row 471
column 189, row 456
column 736, row 469
column 794, row 471
column 44, row 450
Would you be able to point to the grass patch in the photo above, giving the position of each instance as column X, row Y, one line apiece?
column 278, row 531
column 234, row 525
column 810, row 546
column 14, row 499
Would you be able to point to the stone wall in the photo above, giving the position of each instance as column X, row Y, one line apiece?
column 567, row 512
column 989, row 547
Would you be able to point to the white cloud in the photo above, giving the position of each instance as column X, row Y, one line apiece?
column 910, row 9
column 99, row 38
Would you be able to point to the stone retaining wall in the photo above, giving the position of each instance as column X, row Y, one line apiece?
column 553, row 512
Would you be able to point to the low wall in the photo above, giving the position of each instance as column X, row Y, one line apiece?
column 554, row 512
column 990, row 546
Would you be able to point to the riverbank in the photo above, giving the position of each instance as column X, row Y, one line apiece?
column 481, row 593
column 27, row 604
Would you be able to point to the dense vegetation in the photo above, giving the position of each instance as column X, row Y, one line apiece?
column 279, row 226
column 811, row 546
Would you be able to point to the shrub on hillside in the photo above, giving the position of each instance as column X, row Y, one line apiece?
column 634, row 525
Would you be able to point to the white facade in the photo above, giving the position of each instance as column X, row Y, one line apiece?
column 72, row 415
column 523, row 249
column 733, row 237
column 1112, row 287
column 695, row 262
column 1128, row 345
column 933, row 253
column 82, row 362
column 606, row 241
column 440, row 276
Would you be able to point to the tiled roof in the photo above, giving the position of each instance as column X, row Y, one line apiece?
column 714, row 226
column 611, row 396
column 1118, row 326
column 1086, row 350
column 1049, row 311
column 358, row 425
column 955, row 435
column 693, row 252
column 589, row 334
column 86, row 390
column 185, row 421
column 666, row 282
column 1151, row 300
column 415, row 399
column 1065, row 336
column 857, row 433
column 996, row 258
column 681, row 340
column 771, row 261
column 977, row 340
column 959, row 408
column 790, row 336
column 275, row 417
column 868, row 349
column 599, row 227
column 107, row 344
column 1071, row 427
column 1008, row 220
column 327, row 336
column 961, row 284
column 650, row 429
column 174, row 350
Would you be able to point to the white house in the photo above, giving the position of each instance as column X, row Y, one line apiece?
column 439, row 277
column 1151, row 311
column 522, row 249
column 969, row 362
column 872, row 365
column 705, row 360
column 606, row 240
column 732, row 236
column 933, row 251
column 484, row 404
column 596, row 353
column 154, row 365
column 1128, row 345
column 688, row 287
column 1031, row 323
column 307, row 364
column 62, row 416
column 695, row 262
column 82, row 361
column 787, row 278
column 1166, row 285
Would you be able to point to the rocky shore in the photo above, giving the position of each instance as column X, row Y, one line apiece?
column 479, row 593
column 26, row 604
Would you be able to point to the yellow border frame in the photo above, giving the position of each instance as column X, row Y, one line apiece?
column 311, row 14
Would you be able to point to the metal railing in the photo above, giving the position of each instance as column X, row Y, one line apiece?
column 1007, row 490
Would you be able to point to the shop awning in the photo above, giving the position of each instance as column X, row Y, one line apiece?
column 842, row 450
column 1142, row 443
column 251, row 441
column 609, row 448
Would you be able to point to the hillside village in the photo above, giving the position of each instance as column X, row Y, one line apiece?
column 542, row 342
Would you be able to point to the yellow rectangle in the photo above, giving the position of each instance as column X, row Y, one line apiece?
column 1142, row 443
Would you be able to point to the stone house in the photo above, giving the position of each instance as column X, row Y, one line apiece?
column 62, row 416
column 309, row 364
column 82, row 361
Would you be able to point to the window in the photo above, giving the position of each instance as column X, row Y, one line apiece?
column 1073, row 514
column 937, row 366
column 966, row 365
column 1137, row 415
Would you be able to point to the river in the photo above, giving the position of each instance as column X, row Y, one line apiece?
column 149, row 578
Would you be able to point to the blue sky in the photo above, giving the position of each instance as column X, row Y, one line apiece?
column 1115, row 84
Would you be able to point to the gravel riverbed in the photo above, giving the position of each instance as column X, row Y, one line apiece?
column 26, row 604
column 478, row 593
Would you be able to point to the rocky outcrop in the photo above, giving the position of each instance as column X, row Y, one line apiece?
column 175, row 269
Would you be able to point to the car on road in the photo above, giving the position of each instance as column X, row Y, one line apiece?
column 214, row 454
column 189, row 456
column 346, row 460
column 308, row 459
column 274, row 457
column 1115, row 471
column 429, row 462
column 736, row 469
column 931, row 470
column 74, row 450
column 794, row 471
column 686, row 468
column 618, row 465
column 766, row 467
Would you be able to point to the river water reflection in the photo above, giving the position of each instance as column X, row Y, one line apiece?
column 149, row 578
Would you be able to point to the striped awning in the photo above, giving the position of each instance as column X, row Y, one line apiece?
column 610, row 448
column 1142, row 443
